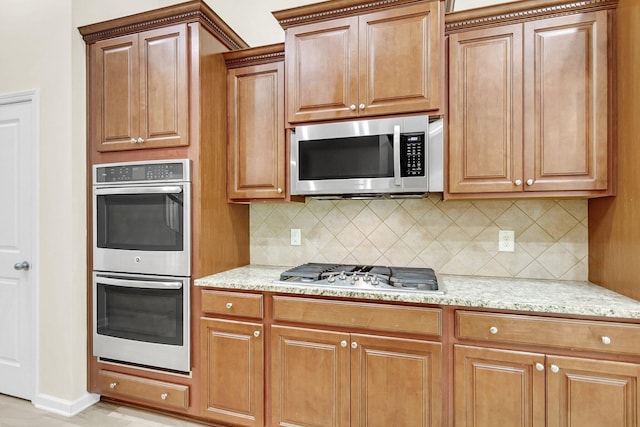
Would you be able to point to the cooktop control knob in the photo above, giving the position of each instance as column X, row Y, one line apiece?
column 374, row 280
column 366, row 277
column 342, row 276
column 331, row 278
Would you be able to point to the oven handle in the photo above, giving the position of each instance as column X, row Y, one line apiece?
column 171, row 189
column 128, row 283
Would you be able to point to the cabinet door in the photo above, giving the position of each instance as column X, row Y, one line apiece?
column 322, row 70
column 164, row 88
column 256, row 132
column 399, row 60
column 114, row 105
column 498, row 388
column 232, row 372
column 310, row 377
column 395, row 382
column 485, row 121
column 590, row 393
column 565, row 81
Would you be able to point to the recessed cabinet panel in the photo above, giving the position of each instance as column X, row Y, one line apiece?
column 485, row 128
column 322, row 66
column 592, row 393
column 399, row 57
column 164, row 86
column 116, row 98
column 256, row 132
column 566, row 99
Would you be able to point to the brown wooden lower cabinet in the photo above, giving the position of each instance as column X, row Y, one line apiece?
column 510, row 388
column 334, row 379
column 232, row 372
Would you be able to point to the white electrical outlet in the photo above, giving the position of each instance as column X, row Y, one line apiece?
column 506, row 241
column 296, row 237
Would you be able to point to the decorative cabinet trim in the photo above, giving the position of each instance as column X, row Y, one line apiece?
column 194, row 11
column 520, row 12
column 332, row 10
column 254, row 56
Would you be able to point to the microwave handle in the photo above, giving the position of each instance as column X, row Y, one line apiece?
column 146, row 284
column 172, row 189
column 396, row 155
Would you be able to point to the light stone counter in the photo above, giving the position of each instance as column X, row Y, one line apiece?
column 543, row 296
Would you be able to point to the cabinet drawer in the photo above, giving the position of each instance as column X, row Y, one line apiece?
column 562, row 333
column 232, row 303
column 380, row 317
column 160, row 393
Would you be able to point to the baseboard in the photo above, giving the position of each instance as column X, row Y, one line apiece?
column 64, row 407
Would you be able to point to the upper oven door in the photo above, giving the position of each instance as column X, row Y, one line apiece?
column 142, row 229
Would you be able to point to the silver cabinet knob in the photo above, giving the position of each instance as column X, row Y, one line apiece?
column 133, row 140
column 539, row 367
column 555, row 369
column 352, row 107
column 362, row 106
column 493, row 330
column 606, row 340
column 140, row 140
column 24, row 265
column 256, row 334
column 529, row 181
column 229, row 305
column 343, row 343
column 518, row 182
column 164, row 396
column 113, row 385
column 354, row 345
column 279, row 190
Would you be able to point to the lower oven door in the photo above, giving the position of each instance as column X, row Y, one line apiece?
column 141, row 319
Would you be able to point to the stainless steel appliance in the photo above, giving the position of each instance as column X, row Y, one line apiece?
column 400, row 156
column 141, row 217
column 142, row 319
column 142, row 263
column 365, row 277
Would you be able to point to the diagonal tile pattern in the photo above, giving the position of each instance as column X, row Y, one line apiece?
column 453, row 237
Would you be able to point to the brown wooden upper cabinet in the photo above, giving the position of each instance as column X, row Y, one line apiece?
column 255, row 108
column 362, row 60
column 529, row 111
column 140, row 90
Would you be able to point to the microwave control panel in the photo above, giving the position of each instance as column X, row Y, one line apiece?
column 141, row 172
column 412, row 154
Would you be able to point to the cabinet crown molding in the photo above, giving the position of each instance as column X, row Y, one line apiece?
column 334, row 9
column 254, row 56
column 192, row 11
column 519, row 12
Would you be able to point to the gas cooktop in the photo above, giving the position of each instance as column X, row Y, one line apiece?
column 363, row 277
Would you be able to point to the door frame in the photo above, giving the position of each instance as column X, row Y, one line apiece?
column 32, row 97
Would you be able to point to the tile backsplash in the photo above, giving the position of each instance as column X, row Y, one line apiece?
column 452, row 237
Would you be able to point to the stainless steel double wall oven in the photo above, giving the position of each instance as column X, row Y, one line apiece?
column 142, row 263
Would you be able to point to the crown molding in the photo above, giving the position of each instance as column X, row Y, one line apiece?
column 254, row 56
column 520, row 12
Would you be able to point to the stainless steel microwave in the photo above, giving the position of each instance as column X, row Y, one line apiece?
column 400, row 156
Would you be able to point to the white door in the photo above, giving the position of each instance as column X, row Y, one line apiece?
column 18, row 169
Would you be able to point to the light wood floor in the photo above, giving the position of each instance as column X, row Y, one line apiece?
column 21, row 413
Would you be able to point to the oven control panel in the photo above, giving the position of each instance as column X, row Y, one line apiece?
column 171, row 170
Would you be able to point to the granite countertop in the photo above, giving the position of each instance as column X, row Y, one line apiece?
column 543, row 296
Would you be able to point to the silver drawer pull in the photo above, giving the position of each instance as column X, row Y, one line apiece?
column 493, row 330
column 256, row 334
column 354, row 345
column 229, row 305
column 164, row 396
column 606, row 340
column 343, row 343
column 113, row 385
column 539, row 366
column 555, row 369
